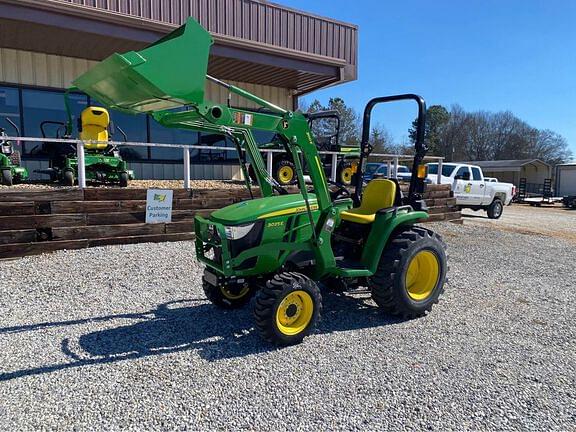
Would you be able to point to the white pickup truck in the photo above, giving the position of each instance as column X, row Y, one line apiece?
column 470, row 188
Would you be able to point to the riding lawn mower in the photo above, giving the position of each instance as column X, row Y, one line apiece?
column 10, row 162
column 281, row 248
column 102, row 161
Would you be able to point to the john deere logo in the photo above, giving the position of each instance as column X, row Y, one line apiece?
column 160, row 198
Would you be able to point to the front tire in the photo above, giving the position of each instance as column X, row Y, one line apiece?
column 68, row 178
column 228, row 297
column 411, row 273
column 287, row 309
column 123, row 179
column 495, row 209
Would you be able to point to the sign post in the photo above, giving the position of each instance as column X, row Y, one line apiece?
column 158, row 206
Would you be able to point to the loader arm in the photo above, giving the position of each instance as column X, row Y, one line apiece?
column 139, row 82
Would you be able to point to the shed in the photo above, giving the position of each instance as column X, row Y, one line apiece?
column 566, row 179
column 534, row 171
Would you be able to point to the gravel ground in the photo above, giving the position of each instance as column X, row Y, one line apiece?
column 548, row 221
column 138, row 184
column 122, row 338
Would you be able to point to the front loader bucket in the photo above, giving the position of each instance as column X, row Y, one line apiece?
column 167, row 74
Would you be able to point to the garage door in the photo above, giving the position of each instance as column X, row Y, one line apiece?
column 567, row 181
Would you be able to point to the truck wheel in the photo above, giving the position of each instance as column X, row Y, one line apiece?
column 345, row 173
column 7, row 177
column 123, row 179
column 68, row 178
column 411, row 273
column 495, row 209
column 287, row 309
column 225, row 297
column 285, row 172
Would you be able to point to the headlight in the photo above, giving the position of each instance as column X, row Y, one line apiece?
column 237, row 232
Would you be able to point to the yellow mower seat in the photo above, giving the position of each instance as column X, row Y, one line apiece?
column 95, row 121
column 379, row 194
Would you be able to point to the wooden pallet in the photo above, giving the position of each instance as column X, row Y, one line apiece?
column 34, row 222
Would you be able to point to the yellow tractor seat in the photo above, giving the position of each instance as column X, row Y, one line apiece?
column 95, row 121
column 379, row 194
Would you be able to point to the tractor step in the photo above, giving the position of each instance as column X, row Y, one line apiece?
column 347, row 263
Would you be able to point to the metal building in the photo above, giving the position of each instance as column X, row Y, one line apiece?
column 273, row 51
column 534, row 171
column 566, row 179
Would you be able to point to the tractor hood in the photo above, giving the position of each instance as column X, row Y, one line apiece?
column 263, row 208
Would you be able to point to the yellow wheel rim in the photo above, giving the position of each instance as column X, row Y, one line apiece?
column 422, row 275
column 346, row 175
column 294, row 313
column 231, row 296
column 285, row 174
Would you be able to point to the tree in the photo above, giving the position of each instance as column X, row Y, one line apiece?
column 437, row 117
column 349, row 120
column 381, row 140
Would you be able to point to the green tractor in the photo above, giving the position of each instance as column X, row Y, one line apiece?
column 325, row 128
column 281, row 248
column 10, row 163
column 102, row 161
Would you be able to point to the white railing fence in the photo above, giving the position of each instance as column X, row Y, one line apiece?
column 392, row 160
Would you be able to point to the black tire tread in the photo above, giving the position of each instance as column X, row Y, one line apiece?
column 266, row 298
column 490, row 209
column 215, row 296
column 7, row 178
column 382, row 283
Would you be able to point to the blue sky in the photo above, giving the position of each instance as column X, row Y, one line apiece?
column 495, row 55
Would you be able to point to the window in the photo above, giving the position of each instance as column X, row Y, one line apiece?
column 371, row 168
column 136, row 130
column 403, row 169
column 463, row 172
column 161, row 134
column 383, row 170
column 446, row 169
column 10, row 108
column 216, row 155
column 264, row 137
column 476, row 175
column 42, row 105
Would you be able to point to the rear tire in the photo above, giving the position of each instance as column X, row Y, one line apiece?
column 287, row 309
column 68, row 178
column 285, row 172
column 345, row 173
column 226, row 297
column 123, row 179
column 411, row 273
column 495, row 209
column 7, row 178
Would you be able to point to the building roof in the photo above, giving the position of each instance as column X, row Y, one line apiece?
column 255, row 41
column 510, row 163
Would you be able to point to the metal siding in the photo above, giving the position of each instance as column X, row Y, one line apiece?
column 37, row 69
column 30, row 68
column 253, row 20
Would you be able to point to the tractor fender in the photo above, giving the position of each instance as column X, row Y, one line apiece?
column 383, row 228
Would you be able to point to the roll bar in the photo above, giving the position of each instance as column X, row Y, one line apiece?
column 416, row 183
